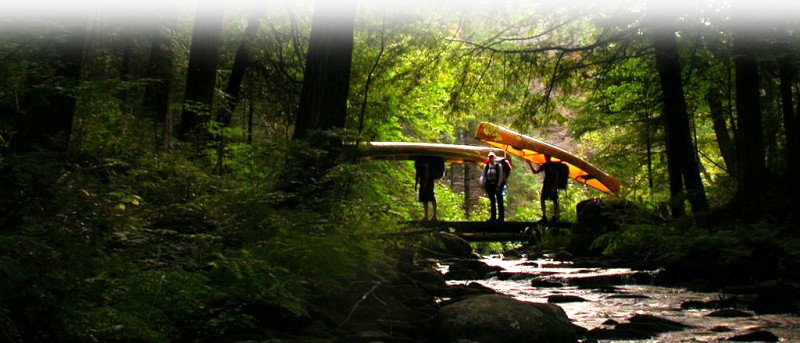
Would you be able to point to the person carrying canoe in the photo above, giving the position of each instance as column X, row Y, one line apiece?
column 555, row 173
column 428, row 169
column 493, row 181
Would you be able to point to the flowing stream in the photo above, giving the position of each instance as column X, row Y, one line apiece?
column 622, row 299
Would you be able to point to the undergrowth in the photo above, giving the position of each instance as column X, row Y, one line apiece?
column 159, row 249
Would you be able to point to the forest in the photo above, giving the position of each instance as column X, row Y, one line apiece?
column 169, row 171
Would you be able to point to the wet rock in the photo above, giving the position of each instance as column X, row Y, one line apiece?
column 756, row 336
column 657, row 324
column 732, row 302
column 721, row 328
column 610, row 322
column 652, row 329
column 600, row 289
column 562, row 255
column 512, row 255
column 469, row 270
column 500, row 275
column 429, row 280
column 610, row 280
column 627, row 296
column 451, row 245
column 730, row 313
column 497, row 318
column 462, row 274
column 693, row 305
column 534, row 255
column 582, row 271
column 545, row 283
column 514, row 276
column 639, row 327
column 473, row 288
column 560, row 299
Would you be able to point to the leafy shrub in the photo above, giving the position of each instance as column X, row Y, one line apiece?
column 637, row 241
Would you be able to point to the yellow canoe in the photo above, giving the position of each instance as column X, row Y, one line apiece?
column 452, row 153
column 533, row 150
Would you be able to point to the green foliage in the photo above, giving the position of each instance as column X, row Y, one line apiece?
column 246, row 277
column 493, row 248
column 140, row 305
column 450, row 204
column 119, row 249
column 727, row 249
column 638, row 242
column 554, row 240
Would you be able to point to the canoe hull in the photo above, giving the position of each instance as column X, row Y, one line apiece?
column 533, row 150
column 452, row 153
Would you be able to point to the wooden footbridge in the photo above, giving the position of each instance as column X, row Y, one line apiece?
column 495, row 231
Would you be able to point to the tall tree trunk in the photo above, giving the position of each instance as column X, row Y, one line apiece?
column 48, row 123
column 201, row 75
column 771, row 119
column 649, row 152
column 241, row 63
column 750, row 138
column 326, row 81
column 790, row 122
column 682, row 161
column 250, row 114
column 724, row 141
column 157, row 93
column 126, row 46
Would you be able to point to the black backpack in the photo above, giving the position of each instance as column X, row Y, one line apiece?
column 435, row 163
column 563, row 176
column 506, row 164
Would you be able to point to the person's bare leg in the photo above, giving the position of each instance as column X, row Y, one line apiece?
column 434, row 210
column 544, row 209
column 425, row 204
column 556, row 210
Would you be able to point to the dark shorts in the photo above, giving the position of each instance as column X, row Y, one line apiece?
column 550, row 191
column 490, row 187
column 426, row 193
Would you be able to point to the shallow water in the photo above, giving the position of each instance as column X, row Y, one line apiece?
column 663, row 302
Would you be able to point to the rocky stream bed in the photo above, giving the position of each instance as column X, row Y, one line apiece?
column 624, row 305
column 453, row 295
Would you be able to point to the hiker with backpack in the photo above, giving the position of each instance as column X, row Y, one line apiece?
column 428, row 169
column 494, row 179
column 555, row 178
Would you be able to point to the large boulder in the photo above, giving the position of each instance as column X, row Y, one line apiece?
column 470, row 270
column 597, row 217
column 499, row 318
column 445, row 245
column 454, row 245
